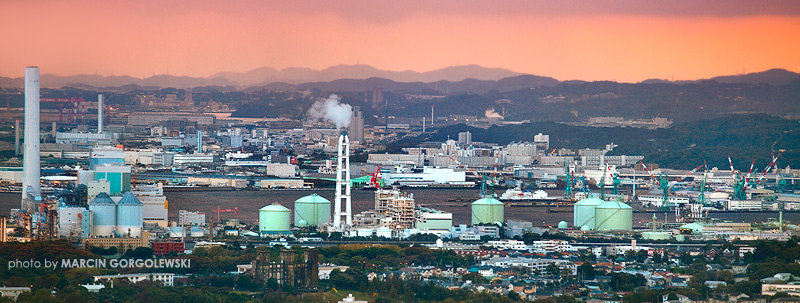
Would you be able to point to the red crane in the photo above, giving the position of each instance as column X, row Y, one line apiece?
column 373, row 180
column 769, row 167
column 219, row 210
column 650, row 173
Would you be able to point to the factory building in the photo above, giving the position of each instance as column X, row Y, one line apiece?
column 312, row 210
column 400, row 210
column 74, row 221
column 282, row 183
column 356, row 128
column 396, row 207
column 192, row 159
column 487, row 211
column 10, row 174
column 154, row 203
column 281, row 170
column 150, row 118
column 433, row 221
column 166, row 279
column 106, row 156
column 191, row 218
column 429, row 175
column 118, row 177
column 122, row 244
column 94, row 188
column 85, row 138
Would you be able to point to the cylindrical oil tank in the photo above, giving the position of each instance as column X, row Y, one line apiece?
column 311, row 210
column 129, row 215
column 614, row 216
column 273, row 218
column 104, row 215
column 584, row 212
column 487, row 210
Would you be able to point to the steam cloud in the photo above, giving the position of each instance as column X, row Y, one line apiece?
column 331, row 110
column 492, row 114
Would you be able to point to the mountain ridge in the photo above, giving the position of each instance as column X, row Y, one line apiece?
column 305, row 77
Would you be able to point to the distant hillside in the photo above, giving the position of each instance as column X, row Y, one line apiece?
column 443, row 87
column 776, row 76
column 742, row 137
column 773, row 76
column 267, row 75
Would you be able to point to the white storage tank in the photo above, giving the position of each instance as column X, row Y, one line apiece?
column 487, row 210
column 312, row 210
column 384, row 232
column 584, row 212
column 273, row 218
column 130, row 212
column 364, row 232
column 614, row 216
column 104, row 215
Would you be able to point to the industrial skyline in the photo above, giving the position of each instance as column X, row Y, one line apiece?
column 626, row 41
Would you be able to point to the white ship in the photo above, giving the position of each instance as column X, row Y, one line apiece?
column 519, row 195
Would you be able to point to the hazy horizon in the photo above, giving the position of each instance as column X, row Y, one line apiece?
column 624, row 41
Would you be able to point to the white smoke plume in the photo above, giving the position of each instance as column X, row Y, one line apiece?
column 331, row 109
column 492, row 114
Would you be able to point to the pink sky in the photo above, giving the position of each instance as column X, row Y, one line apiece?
column 590, row 40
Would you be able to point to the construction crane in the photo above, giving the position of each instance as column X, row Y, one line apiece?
column 739, row 183
column 663, row 184
column 769, row 167
column 585, row 189
column 483, row 192
column 219, row 210
column 697, row 208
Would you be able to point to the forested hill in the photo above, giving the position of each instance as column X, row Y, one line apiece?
column 686, row 145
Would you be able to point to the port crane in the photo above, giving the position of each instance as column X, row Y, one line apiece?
column 664, row 186
column 739, row 182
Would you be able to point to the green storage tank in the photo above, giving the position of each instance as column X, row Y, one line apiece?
column 311, row 210
column 487, row 210
column 273, row 218
column 614, row 216
column 583, row 212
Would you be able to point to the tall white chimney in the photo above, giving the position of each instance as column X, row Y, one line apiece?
column 31, row 188
column 431, row 114
column 343, row 167
column 99, row 113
